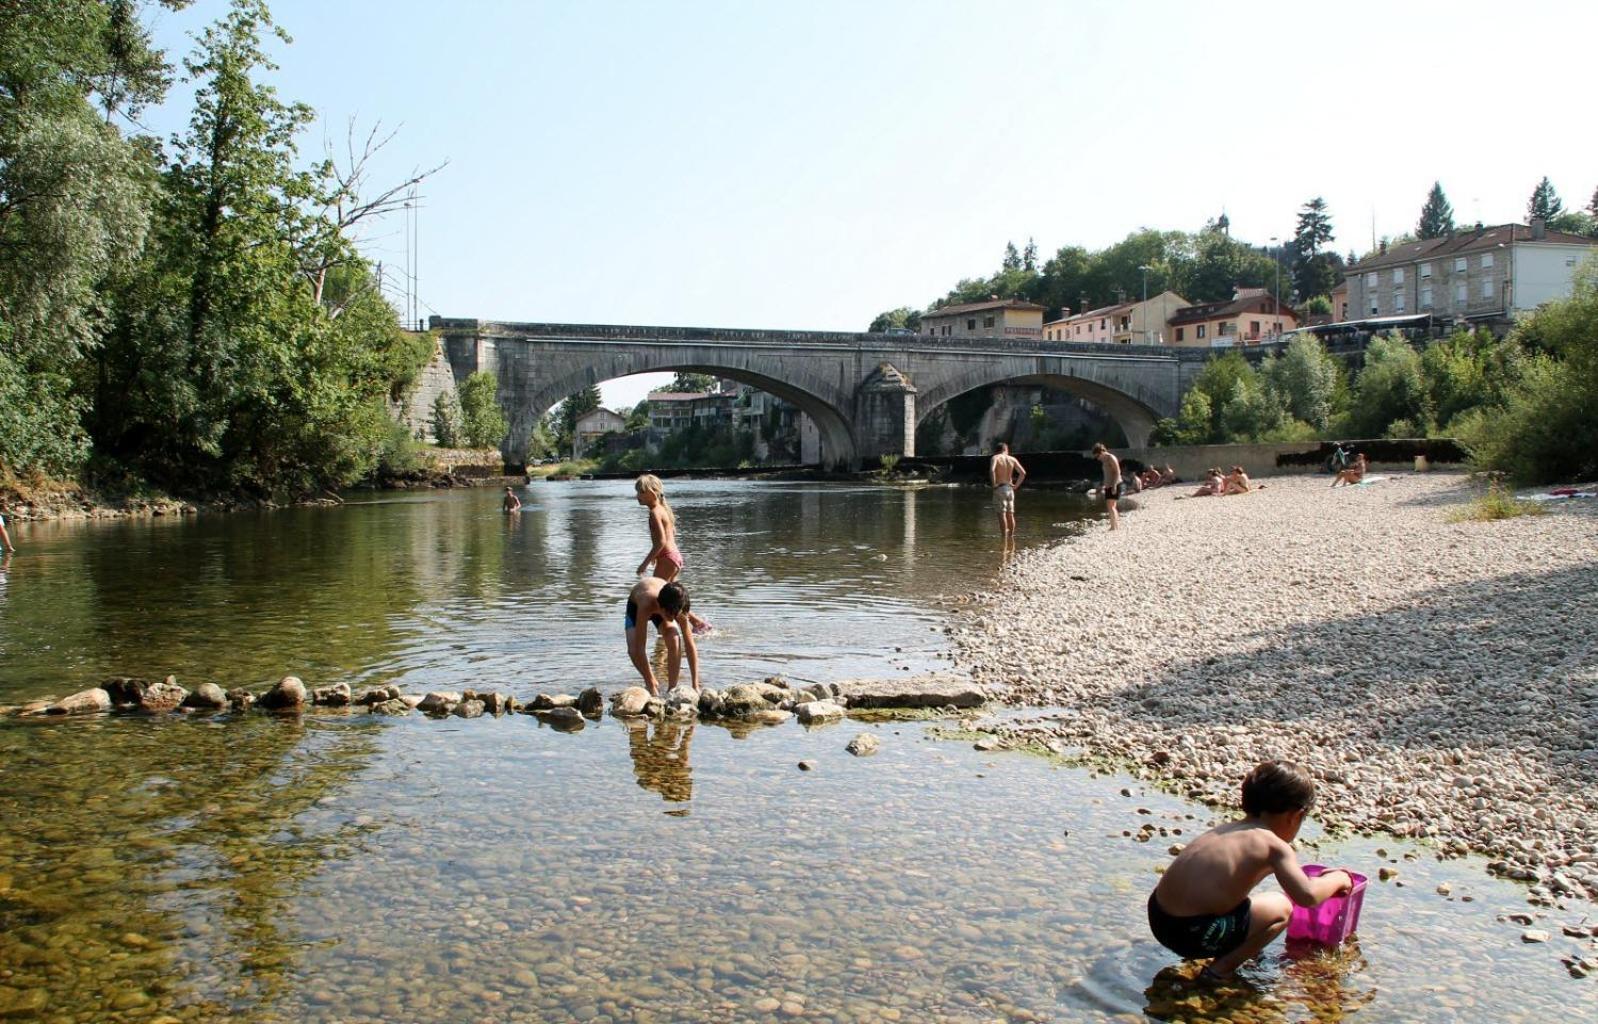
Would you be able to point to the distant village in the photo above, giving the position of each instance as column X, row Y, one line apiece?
column 1473, row 277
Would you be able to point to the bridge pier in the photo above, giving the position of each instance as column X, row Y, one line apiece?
column 885, row 415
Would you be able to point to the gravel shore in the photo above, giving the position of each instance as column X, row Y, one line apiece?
column 1439, row 678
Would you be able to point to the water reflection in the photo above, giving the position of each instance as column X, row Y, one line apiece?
column 1302, row 982
column 659, row 752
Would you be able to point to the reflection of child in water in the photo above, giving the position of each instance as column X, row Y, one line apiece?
column 663, row 535
column 660, row 760
column 1202, row 908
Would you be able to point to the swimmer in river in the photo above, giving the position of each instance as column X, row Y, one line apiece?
column 512, row 503
column 666, row 605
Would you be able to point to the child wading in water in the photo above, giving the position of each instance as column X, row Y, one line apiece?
column 663, row 532
column 1201, row 907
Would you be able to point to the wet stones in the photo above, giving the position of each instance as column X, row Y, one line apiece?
column 933, row 690
column 379, row 694
column 816, row 712
column 335, row 696
column 84, row 702
column 439, row 702
column 162, row 697
column 394, row 708
column 240, row 699
column 863, row 745
column 288, row 694
column 548, row 702
column 591, row 702
column 125, row 690
column 566, row 719
column 206, row 697
column 744, row 699
column 468, row 709
column 497, row 703
column 630, row 703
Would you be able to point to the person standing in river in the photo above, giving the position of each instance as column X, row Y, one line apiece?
column 5, row 538
column 663, row 552
column 1005, row 474
column 1112, row 483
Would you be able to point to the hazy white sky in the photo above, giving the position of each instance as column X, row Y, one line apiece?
column 807, row 165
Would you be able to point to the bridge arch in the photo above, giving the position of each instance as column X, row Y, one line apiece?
column 837, row 436
column 1132, row 413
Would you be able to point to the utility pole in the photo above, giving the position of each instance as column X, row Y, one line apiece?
column 1145, row 269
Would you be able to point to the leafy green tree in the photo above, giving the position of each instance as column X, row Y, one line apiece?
column 1195, row 421
column 1251, row 412
column 690, row 383
column 1012, row 258
column 1315, row 272
column 447, row 419
column 1029, row 256
column 1544, row 203
column 638, row 418
column 1436, row 216
column 1306, row 380
column 1390, row 389
column 483, row 424
column 570, row 411
column 903, row 317
column 1576, row 222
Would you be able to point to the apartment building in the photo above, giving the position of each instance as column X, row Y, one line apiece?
column 1250, row 317
column 1125, row 323
column 996, row 318
column 1488, row 273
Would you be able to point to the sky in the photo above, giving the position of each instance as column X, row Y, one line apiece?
column 808, row 165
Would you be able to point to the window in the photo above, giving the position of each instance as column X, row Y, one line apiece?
column 1459, row 264
column 1425, row 296
column 1425, row 271
column 1179, row 335
column 971, row 324
column 1398, row 276
column 1227, row 327
column 1253, row 328
column 1398, row 302
column 1461, row 296
column 1198, row 332
column 1370, row 281
column 1101, row 323
column 987, row 321
column 1487, row 261
column 1371, row 301
column 1487, row 288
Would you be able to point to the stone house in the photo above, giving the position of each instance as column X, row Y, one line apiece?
column 1484, row 274
column 593, row 425
column 1125, row 323
column 1250, row 317
column 996, row 318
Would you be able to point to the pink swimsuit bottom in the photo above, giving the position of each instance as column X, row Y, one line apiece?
column 673, row 556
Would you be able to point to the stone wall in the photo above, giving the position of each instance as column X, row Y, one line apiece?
column 416, row 411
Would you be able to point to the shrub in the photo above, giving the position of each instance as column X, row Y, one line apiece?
column 889, row 464
column 1498, row 502
column 447, row 420
column 399, row 452
column 483, row 425
column 1390, row 387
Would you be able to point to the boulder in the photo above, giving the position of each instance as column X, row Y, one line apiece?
column 933, row 690
column 206, row 697
column 546, row 701
column 379, row 694
column 468, row 709
column 682, row 703
column 240, row 699
column 288, row 694
column 746, row 698
column 815, row 712
column 395, row 707
column 655, row 708
column 411, row 700
column 164, row 696
column 438, row 702
column 710, row 705
column 84, row 702
column 771, row 716
column 335, row 696
column 591, row 702
column 497, row 703
column 125, row 690
column 807, row 766
column 863, row 745
column 564, row 719
column 987, row 743
column 630, row 702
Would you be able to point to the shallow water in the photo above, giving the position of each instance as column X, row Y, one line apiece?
column 337, row 868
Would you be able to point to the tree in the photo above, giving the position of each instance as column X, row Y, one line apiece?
column 1592, row 207
column 1390, row 390
column 1436, row 216
column 690, row 383
column 1306, row 379
column 903, row 317
column 1545, row 203
column 571, row 410
column 1012, row 258
column 1314, row 272
column 1029, row 256
column 483, row 424
column 446, row 419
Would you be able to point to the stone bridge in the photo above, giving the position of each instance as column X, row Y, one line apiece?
column 866, row 393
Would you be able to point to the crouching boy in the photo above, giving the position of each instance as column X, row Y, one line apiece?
column 1202, row 909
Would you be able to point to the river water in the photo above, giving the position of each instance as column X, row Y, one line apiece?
column 338, row 868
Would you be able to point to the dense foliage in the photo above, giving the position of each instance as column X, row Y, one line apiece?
column 190, row 313
column 482, row 422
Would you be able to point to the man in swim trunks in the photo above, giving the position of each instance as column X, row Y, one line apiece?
column 511, row 502
column 1112, row 483
column 1005, row 473
column 1201, row 907
column 666, row 605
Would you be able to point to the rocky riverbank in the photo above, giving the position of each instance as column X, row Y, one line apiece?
column 1438, row 677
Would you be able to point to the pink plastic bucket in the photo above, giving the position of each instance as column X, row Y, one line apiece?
column 1334, row 920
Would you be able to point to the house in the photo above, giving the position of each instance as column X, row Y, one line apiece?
column 593, row 425
column 678, row 410
column 1485, row 274
column 1250, row 317
column 996, row 318
column 1340, row 302
column 1126, row 323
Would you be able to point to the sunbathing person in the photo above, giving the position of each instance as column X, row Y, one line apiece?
column 1237, row 482
column 1167, row 476
column 1352, row 474
column 1213, row 483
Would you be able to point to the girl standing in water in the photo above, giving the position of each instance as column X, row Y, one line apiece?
column 663, row 532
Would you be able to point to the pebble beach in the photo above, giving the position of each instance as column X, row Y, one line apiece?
column 1438, row 677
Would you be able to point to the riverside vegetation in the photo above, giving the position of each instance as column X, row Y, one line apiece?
column 187, row 314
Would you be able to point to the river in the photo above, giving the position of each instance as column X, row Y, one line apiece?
column 339, row 868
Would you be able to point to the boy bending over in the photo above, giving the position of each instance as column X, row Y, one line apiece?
column 1201, row 907
column 666, row 605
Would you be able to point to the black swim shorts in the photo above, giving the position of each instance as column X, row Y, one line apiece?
column 1202, row 935
column 1113, row 493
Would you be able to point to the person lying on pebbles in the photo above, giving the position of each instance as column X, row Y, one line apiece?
column 1201, row 906
column 1237, row 482
column 1214, row 484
